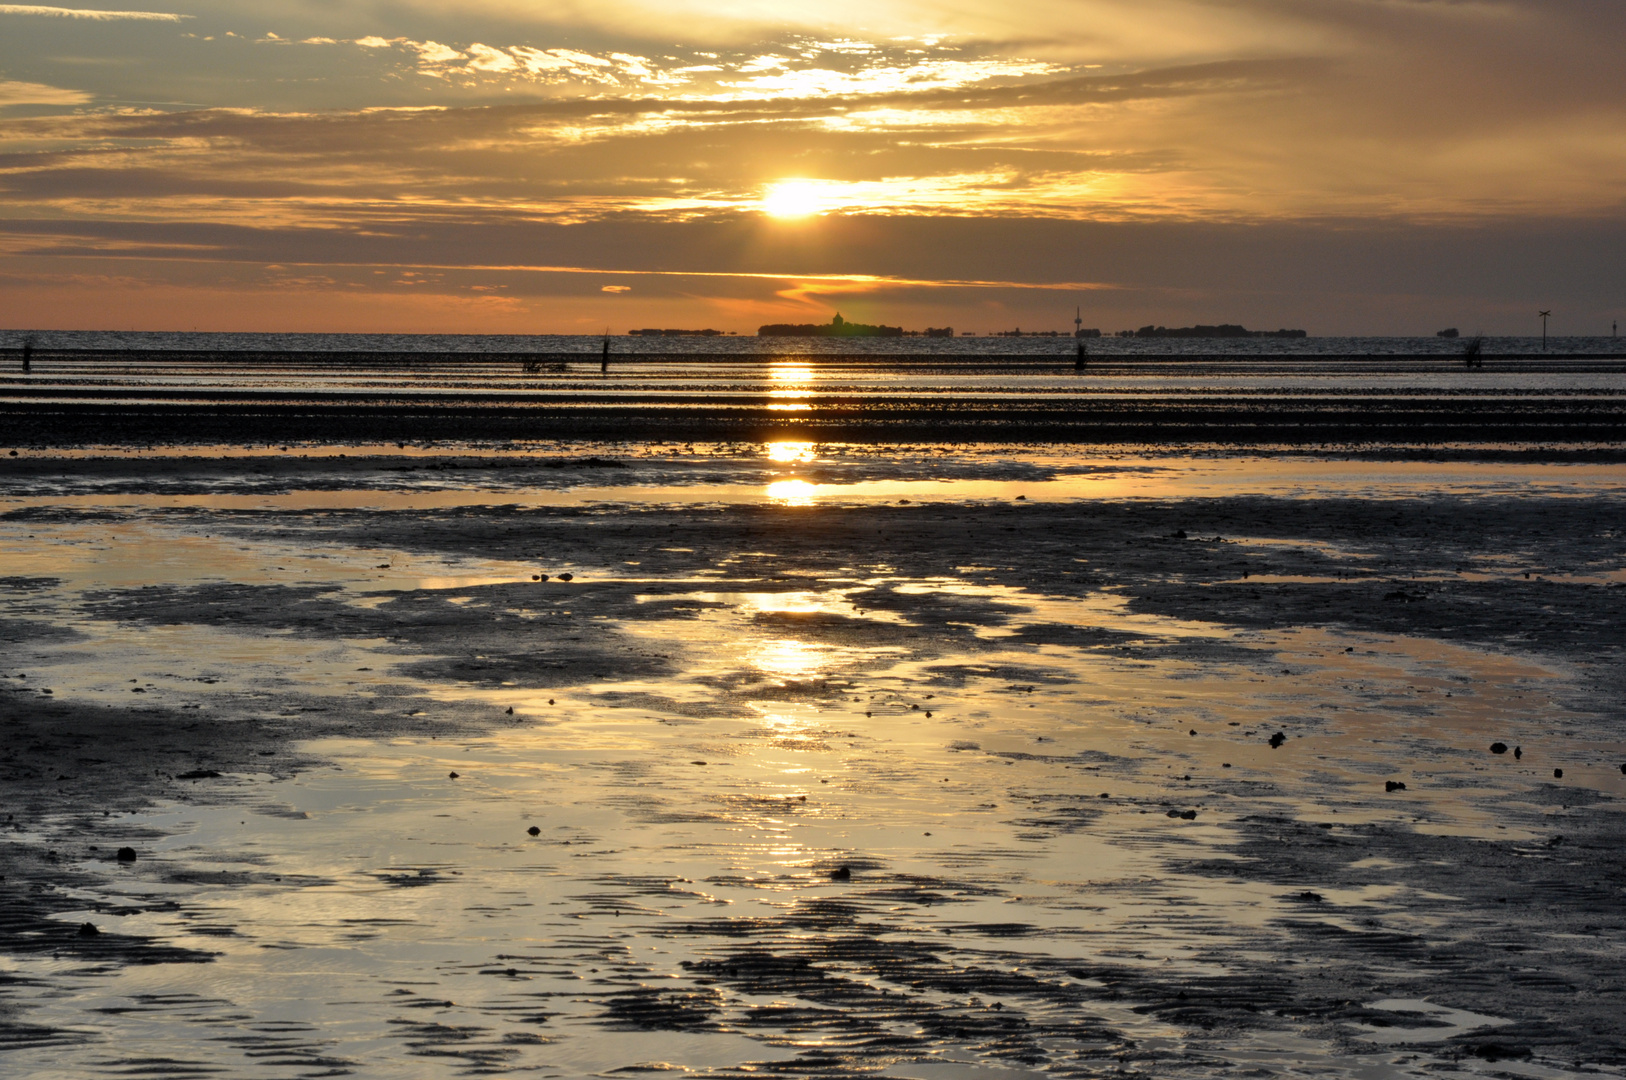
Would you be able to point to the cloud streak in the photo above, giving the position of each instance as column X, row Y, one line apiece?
column 89, row 14
column 28, row 93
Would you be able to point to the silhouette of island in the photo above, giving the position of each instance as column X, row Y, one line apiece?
column 1223, row 330
column 836, row 327
column 675, row 333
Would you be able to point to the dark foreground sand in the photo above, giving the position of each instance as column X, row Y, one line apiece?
column 1487, row 885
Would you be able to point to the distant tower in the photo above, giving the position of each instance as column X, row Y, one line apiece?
column 1544, row 316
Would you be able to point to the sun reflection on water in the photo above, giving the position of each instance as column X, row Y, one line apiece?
column 790, row 451
column 791, row 373
column 792, row 492
column 789, row 659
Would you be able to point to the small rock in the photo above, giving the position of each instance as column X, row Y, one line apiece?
column 541, row 577
column 198, row 774
column 841, row 873
column 1193, row 731
column 127, row 854
column 1311, row 897
column 1498, row 748
column 536, row 577
column 1558, row 774
column 534, row 831
column 510, row 710
column 1021, row 498
column 89, row 930
column 1178, row 534
column 1277, row 740
column 1518, row 752
column 452, row 776
column 1189, row 815
column 567, row 577
column 1394, row 785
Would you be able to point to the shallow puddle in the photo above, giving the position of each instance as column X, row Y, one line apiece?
column 879, row 819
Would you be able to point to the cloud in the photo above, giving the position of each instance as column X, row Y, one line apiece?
column 91, row 14
column 28, row 93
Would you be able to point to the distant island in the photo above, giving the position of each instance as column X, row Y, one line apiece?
column 676, row 333
column 1223, row 330
column 836, row 327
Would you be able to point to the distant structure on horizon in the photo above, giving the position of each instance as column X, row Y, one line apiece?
column 1448, row 332
column 836, row 327
column 676, row 333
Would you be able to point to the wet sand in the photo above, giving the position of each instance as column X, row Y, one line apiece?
column 823, row 782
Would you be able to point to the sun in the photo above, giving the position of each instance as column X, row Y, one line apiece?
column 793, row 198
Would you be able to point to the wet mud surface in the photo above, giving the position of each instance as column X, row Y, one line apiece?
column 941, row 789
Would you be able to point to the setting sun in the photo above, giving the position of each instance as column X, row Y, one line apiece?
column 795, row 198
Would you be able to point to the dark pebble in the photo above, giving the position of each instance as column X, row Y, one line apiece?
column 1312, row 897
column 510, row 710
column 198, row 774
column 1558, row 774
column 1189, row 815
column 1498, row 748
column 127, row 854
column 841, row 873
column 452, row 775
column 534, row 831
column 567, row 577
column 1193, row 731
column 89, row 930
column 1518, row 752
column 541, row 577
column 1394, row 785
column 1277, row 740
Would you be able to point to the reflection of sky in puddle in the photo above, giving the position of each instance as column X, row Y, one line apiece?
column 952, row 766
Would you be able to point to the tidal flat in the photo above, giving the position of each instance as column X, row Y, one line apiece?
column 944, row 762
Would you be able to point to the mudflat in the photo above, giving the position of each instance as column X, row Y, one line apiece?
column 948, row 761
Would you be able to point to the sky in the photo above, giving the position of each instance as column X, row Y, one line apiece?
column 514, row 166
